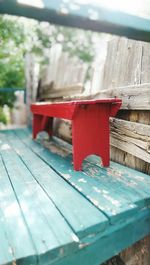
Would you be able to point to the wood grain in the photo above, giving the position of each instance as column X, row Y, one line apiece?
column 131, row 137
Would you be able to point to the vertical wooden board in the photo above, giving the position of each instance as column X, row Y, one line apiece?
column 120, row 62
column 131, row 66
column 145, row 63
column 108, row 76
column 123, row 63
column 11, row 218
column 112, row 205
column 85, row 221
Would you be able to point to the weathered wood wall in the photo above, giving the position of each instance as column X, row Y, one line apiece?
column 62, row 77
column 127, row 63
column 127, row 73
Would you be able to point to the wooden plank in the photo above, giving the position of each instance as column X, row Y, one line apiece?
column 6, row 255
column 136, row 189
column 31, row 76
column 116, row 241
column 123, row 157
column 129, row 160
column 114, row 206
column 84, row 222
column 134, row 181
column 11, row 248
column 123, row 63
column 135, row 97
column 145, row 78
column 131, row 137
column 48, row 93
column 85, row 16
column 63, row 76
column 40, row 214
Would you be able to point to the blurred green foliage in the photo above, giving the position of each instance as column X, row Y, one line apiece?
column 20, row 35
column 3, row 118
column 11, row 59
column 76, row 42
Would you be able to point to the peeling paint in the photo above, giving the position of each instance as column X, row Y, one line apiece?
column 66, row 176
column 5, row 147
column 94, row 202
column 55, row 149
column 83, row 245
column 82, row 180
column 61, row 251
column 112, row 200
column 75, row 238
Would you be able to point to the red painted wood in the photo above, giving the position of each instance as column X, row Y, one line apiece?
column 90, row 125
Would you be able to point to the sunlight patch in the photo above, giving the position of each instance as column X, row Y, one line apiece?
column 5, row 147
column 36, row 3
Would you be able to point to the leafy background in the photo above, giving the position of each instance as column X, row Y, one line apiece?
column 21, row 35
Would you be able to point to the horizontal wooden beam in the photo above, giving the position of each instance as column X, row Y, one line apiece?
column 84, row 16
column 134, row 97
column 131, row 137
column 48, row 92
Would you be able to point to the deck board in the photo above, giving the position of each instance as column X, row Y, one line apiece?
column 64, row 216
column 11, row 222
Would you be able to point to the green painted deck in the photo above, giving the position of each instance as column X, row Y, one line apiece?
column 50, row 214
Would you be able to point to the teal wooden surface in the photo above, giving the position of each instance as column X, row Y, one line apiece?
column 111, row 244
column 85, row 16
column 42, row 218
column 84, row 223
column 132, row 184
column 11, row 223
column 112, row 204
column 63, row 216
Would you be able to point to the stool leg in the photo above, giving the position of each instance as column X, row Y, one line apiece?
column 36, row 125
column 42, row 123
column 90, row 129
column 47, row 125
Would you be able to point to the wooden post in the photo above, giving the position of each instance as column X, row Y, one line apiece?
column 31, row 78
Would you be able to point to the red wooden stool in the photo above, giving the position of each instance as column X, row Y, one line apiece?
column 90, row 125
